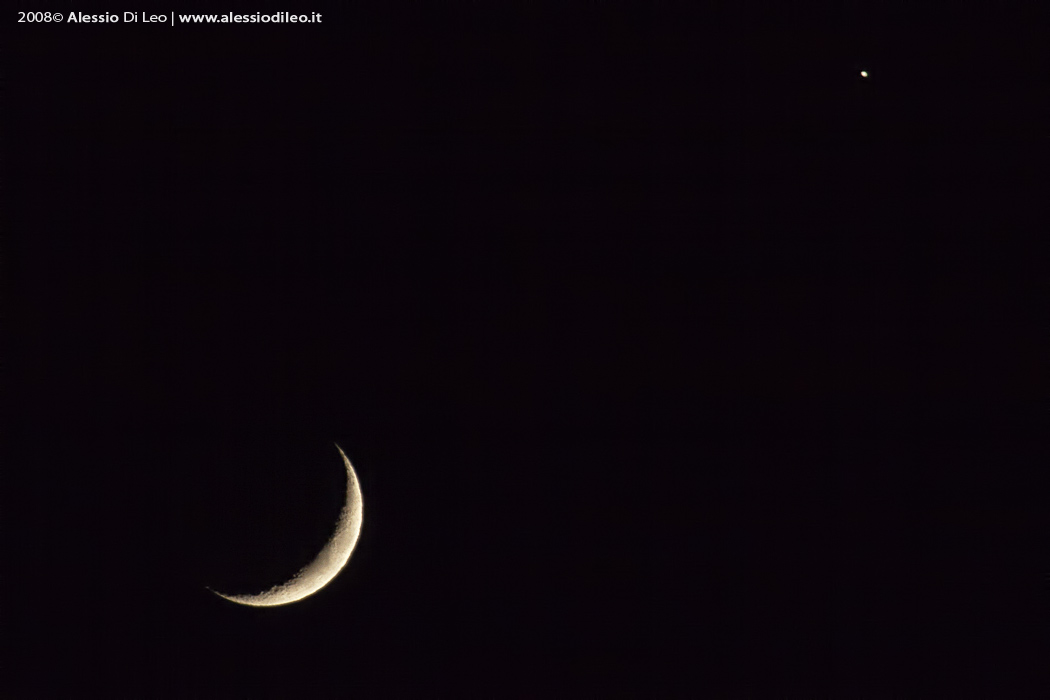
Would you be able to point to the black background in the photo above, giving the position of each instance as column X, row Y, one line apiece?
column 674, row 358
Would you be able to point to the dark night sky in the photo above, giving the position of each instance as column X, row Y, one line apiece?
column 675, row 359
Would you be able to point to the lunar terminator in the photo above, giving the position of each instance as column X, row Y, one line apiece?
column 328, row 563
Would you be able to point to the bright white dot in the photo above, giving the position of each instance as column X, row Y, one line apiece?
column 864, row 74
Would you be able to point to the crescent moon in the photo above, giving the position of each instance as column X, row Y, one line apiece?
column 328, row 563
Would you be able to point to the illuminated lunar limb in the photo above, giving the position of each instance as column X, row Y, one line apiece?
column 328, row 563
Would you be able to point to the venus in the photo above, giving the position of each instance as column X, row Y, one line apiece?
column 328, row 563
